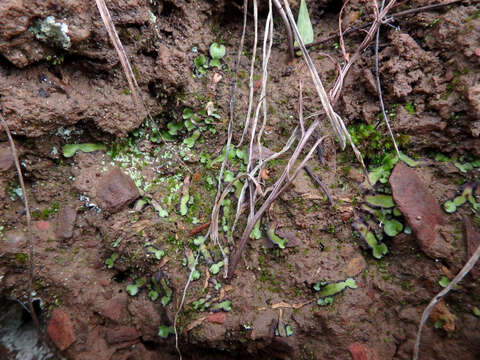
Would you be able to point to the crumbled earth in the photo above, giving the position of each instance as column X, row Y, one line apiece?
column 115, row 227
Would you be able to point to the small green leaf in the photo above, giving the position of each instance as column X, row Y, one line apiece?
column 256, row 232
column 396, row 212
column 199, row 240
column 187, row 113
column 376, row 174
column 157, row 252
column 216, row 63
column 393, row 227
column 459, row 200
column 111, row 260
column 228, row 177
column 224, row 306
column 304, row 24
column 325, row 301
column 384, row 201
column 165, row 300
column 174, row 127
column 379, row 251
column 318, row 285
column 70, row 149
column 476, row 311
column 332, row 289
column 410, row 108
column 444, row 281
column 442, row 158
column 450, row 207
column 242, row 154
column 195, row 275
column 132, row 289
column 153, row 295
column 190, row 141
column 189, row 125
column 408, row 160
column 217, row 51
column 165, row 331
column 201, row 63
column 466, row 167
column 438, row 324
column 350, row 283
column 288, row 330
column 215, row 268
column 161, row 211
column 277, row 240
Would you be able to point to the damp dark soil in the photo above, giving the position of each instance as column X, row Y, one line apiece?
column 117, row 224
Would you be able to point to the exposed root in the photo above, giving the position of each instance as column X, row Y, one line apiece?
column 379, row 85
column 426, row 313
column 31, row 267
column 122, row 55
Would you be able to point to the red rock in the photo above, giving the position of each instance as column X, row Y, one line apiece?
column 217, row 318
column 42, row 225
column 116, row 190
column 121, row 334
column 113, row 308
column 421, row 211
column 6, row 157
column 60, row 329
column 355, row 266
column 361, row 351
column 65, row 222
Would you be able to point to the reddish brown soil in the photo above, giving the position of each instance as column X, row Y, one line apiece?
column 431, row 64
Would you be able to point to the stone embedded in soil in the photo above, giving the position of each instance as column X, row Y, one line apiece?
column 361, row 351
column 6, row 157
column 421, row 211
column 121, row 334
column 473, row 242
column 60, row 329
column 473, row 96
column 113, row 308
column 441, row 313
column 43, row 230
column 14, row 242
column 217, row 318
column 355, row 266
column 65, row 222
column 417, row 125
column 116, row 190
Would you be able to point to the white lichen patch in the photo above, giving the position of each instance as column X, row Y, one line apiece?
column 51, row 31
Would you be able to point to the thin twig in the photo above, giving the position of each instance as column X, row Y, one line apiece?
column 394, row 16
column 127, row 69
column 426, row 313
column 31, row 268
column 319, row 182
column 379, row 85
column 340, row 30
column 288, row 28
column 252, row 69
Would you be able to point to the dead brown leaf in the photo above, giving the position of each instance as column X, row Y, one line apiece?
column 194, row 324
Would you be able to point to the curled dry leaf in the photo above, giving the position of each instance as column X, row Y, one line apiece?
column 194, row 324
column 264, row 174
column 210, row 108
column 217, row 78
